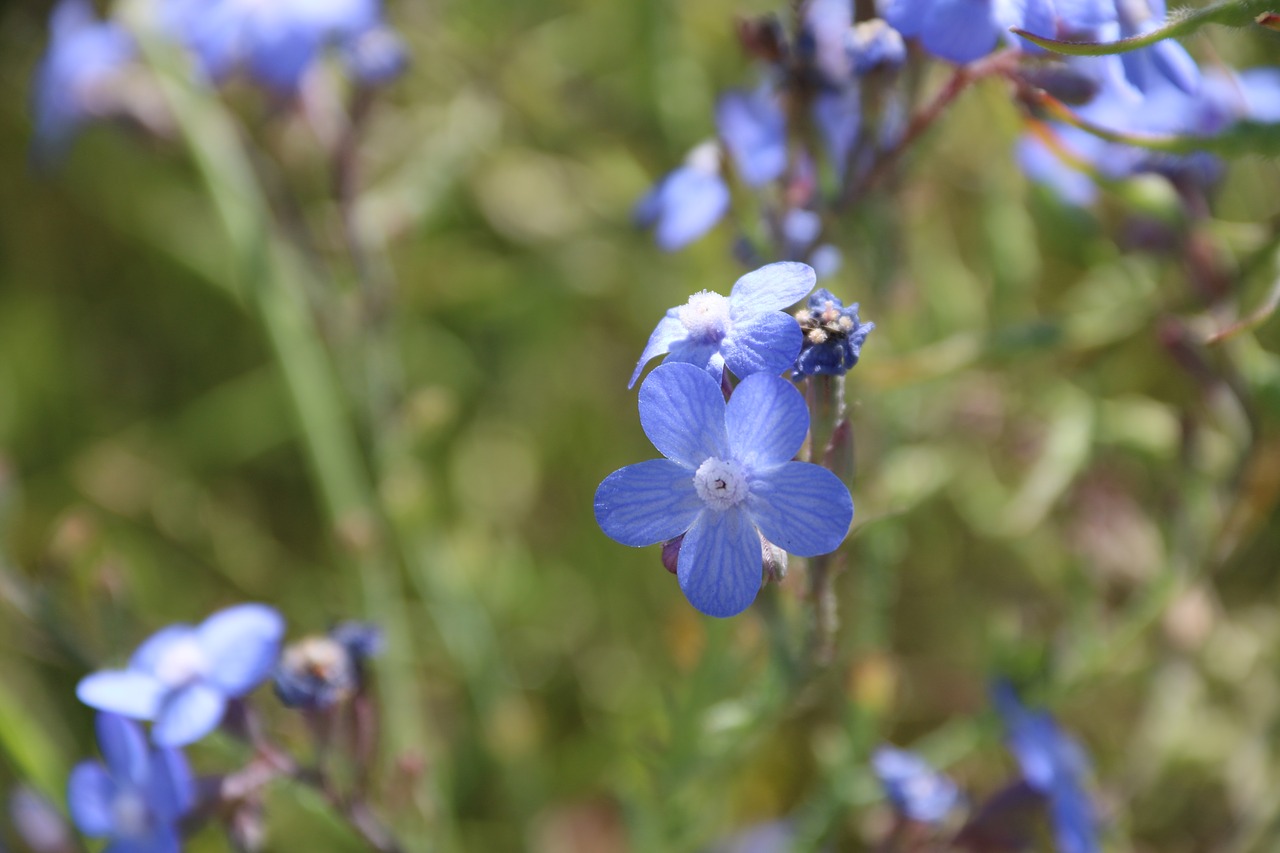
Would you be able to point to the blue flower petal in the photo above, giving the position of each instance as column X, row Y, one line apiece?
column 188, row 715
column 720, row 565
column 133, row 694
column 766, row 421
column 754, row 130
column 685, row 205
column 170, row 786
column 647, row 503
column 766, row 343
column 802, row 508
column 242, row 644
column 960, row 30
column 1176, row 65
column 154, row 647
column 838, row 116
column 906, row 16
column 770, row 288
column 682, row 413
column 122, row 745
column 1077, row 16
column 90, row 791
column 914, row 787
column 668, row 331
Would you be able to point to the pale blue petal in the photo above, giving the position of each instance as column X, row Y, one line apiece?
column 154, row 647
column 684, row 206
column 802, row 508
column 647, row 503
column 133, row 694
column 770, row 288
column 242, row 644
column 700, row 354
column 188, row 715
column 682, row 413
column 838, row 116
column 960, row 30
column 1043, row 166
column 170, row 786
column 765, row 343
column 766, row 420
column 1080, row 15
column 90, row 791
column 125, row 749
column 668, row 331
column 720, row 566
column 1262, row 93
column 157, row 839
column 1176, row 65
column 905, row 16
column 754, row 130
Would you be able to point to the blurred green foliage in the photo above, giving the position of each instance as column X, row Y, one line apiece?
column 1058, row 479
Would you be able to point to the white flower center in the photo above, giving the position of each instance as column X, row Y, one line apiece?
column 706, row 316
column 721, row 483
column 705, row 158
column 182, row 663
column 130, row 816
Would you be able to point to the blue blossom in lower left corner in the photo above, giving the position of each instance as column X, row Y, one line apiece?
column 137, row 797
column 183, row 676
column 728, row 478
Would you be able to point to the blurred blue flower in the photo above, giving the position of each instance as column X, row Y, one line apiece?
column 1054, row 765
column 318, row 672
column 964, row 30
column 874, row 45
column 754, row 130
column 824, row 33
column 915, row 789
column 687, row 202
column 728, row 478
column 833, row 336
column 276, row 42
column 137, row 798
column 72, row 83
column 182, row 676
column 747, row 331
column 1163, row 62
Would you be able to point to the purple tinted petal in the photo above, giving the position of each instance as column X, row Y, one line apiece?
column 90, row 791
column 770, row 288
column 720, row 565
column 1079, row 15
column 960, row 30
column 647, row 503
column 668, row 331
column 242, row 644
column 906, row 16
column 913, row 786
column 839, row 117
column 124, row 748
column 170, row 786
column 682, row 413
column 755, row 132
column 801, row 508
column 153, row 648
column 188, row 715
column 1176, row 65
column 765, row 343
column 766, row 421
column 1035, row 16
column 133, row 694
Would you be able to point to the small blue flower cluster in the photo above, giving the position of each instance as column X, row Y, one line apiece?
column 1054, row 774
column 182, row 680
column 728, row 485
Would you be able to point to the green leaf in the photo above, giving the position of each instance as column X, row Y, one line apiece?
column 1180, row 24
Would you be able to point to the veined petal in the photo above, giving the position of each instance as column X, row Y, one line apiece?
column 90, row 791
column 960, row 30
column 154, row 647
column 133, row 694
column 770, row 288
column 647, row 503
column 764, row 343
column 801, row 508
column 188, row 715
column 123, row 747
column 242, row 644
column 668, row 331
column 682, row 413
column 720, row 566
column 766, row 420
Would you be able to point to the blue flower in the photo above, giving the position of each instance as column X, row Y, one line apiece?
column 137, row 798
column 914, row 788
column 318, row 672
column 833, row 336
column 1163, row 62
column 1053, row 765
column 754, row 130
column 687, row 202
column 72, row 82
column 746, row 331
column 874, row 45
column 728, row 478
column 964, row 30
column 182, row 677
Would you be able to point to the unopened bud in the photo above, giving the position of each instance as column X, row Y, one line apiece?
column 775, row 561
column 671, row 553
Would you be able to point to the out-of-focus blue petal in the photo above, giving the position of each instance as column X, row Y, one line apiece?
column 668, row 331
column 170, row 786
column 1077, row 16
column 647, row 503
column 959, row 30
column 826, row 25
column 242, row 644
column 802, row 508
column 754, row 130
column 149, row 654
column 914, row 787
column 826, row 260
column 125, row 750
column 1176, row 65
column 1034, row 16
column 685, row 205
column 874, row 44
column 90, row 791
column 770, row 288
column 188, row 715
column 838, row 116
column 766, row 420
column 1261, row 88
column 682, row 413
column 720, row 566
column 133, row 694
column 765, row 343
column 376, row 56
column 906, row 16
column 1043, row 166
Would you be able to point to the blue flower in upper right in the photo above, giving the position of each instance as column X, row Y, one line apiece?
column 833, row 336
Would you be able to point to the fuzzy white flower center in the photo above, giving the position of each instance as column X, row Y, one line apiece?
column 721, row 483
column 130, row 817
column 182, row 663
column 706, row 316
